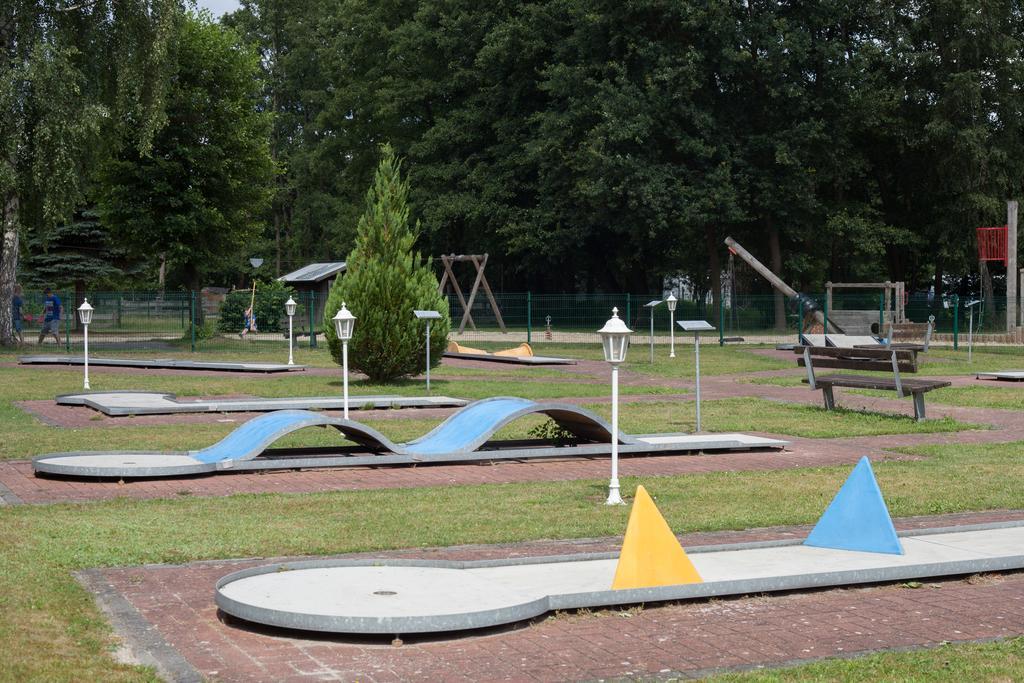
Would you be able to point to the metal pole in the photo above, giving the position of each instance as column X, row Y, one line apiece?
column 1011, row 265
column 344, row 378
column 721, row 320
column 614, row 497
column 192, row 312
column 696, row 348
column 428, row 355
column 291, row 336
column 800, row 323
column 970, row 336
column 652, row 335
column 529, row 322
column 672, row 333
column 956, row 322
column 86, row 343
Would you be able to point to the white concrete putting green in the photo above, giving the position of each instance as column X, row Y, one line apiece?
column 465, row 436
column 392, row 597
column 1005, row 375
column 162, row 363
column 122, row 403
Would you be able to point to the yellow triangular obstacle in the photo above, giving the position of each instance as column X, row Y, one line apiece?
column 651, row 554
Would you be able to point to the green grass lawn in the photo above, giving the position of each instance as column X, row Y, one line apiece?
column 51, row 630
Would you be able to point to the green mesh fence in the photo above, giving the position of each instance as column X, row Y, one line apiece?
column 184, row 321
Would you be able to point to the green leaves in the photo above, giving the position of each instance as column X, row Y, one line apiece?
column 384, row 282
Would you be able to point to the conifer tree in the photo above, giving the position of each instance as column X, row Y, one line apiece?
column 385, row 280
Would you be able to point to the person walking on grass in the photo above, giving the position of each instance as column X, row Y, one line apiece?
column 17, row 316
column 51, row 316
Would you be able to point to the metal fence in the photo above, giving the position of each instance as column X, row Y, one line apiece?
column 188, row 321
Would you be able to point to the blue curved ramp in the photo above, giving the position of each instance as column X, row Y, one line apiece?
column 472, row 426
column 454, row 439
column 259, row 433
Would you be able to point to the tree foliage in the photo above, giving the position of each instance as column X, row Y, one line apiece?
column 199, row 195
column 70, row 73
column 590, row 145
column 384, row 282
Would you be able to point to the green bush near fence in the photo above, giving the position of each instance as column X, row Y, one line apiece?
column 270, row 298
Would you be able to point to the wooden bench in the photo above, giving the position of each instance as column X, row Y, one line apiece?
column 894, row 361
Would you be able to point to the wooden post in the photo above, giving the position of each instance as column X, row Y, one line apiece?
column 1011, row 265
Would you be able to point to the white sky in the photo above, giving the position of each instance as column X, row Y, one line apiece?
column 218, row 7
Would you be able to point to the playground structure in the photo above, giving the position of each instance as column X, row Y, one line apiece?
column 854, row 542
column 999, row 243
column 810, row 309
column 893, row 309
column 479, row 262
column 464, row 437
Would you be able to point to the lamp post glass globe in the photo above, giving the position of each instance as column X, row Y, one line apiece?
column 615, row 344
column 289, row 308
column 344, row 322
column 255, row 262
column 85, row 315
column 671, row 301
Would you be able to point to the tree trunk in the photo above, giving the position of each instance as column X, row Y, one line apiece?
column 938, row 279
column 715, row 267
column 8, row 268
column 775, row 249
column 79, row 298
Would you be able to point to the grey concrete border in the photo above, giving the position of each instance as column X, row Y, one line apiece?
column 533, row 608
column 162, row 363
column 1002, row 376
column 8, row 497
column 253, row 405
column 144, row 643
column 515, row 360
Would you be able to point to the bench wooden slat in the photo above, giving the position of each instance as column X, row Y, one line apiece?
column 913, row 385
column 875, row 353
column 854, row 364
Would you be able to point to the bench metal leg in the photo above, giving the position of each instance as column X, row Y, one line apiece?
column 919, row 406
column 830, row 399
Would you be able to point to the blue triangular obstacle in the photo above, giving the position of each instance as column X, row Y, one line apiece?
column 857, row 518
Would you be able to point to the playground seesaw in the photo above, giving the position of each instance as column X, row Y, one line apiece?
column 465, row 436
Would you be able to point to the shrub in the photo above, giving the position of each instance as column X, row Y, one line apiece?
column 384, row 281
column 270, row 298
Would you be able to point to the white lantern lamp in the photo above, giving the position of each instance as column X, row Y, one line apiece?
column 289, row 309
column 344, row 323
column 85, row 315
column 671, row 301
column 615, row 344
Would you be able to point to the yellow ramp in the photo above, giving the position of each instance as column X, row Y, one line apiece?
column 651, row 554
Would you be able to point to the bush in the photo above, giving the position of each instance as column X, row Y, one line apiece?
column 270, row 298
column 383, row 283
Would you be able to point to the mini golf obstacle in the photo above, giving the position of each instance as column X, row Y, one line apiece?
column 122, row 403
column 519, row 355
column 1002, row 375
column 465, row 436
column 853, row 543
column 162, row 364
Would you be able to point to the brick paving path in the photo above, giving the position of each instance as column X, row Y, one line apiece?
column 18, row 484
column 168, row 612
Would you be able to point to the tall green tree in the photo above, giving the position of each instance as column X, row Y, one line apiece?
column 384, row 282
column 69, row 72
column 199, row 195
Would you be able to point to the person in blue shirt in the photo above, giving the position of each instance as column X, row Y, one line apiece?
column 16, row 314
column 51, row 316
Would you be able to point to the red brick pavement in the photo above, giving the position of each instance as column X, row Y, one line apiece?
column 175, row 603
column 18, row 478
